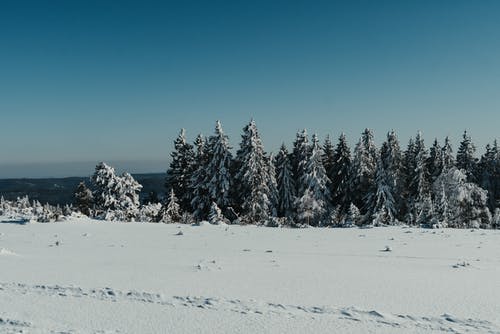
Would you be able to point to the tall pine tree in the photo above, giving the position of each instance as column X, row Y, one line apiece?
column 363, row 168
column 285, row 183
column 339, row 174
column 465, row 157
column 253, row 176
column 181, row 170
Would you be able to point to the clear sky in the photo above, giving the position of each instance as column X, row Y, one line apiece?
column 84, row 81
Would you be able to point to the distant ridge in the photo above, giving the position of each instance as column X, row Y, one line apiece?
column 60, row 190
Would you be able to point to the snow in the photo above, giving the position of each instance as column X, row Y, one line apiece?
column 109, row 277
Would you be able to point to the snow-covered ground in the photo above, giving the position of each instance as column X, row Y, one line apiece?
column 86, row 276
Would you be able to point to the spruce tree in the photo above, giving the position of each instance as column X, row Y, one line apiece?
column 391, row 160
column 84, row 199
column 328, row 157
column 316, row 182
column 489, row 174
column 467, row 201
column 218, row 177
column 198, row 185
column 253, row 179
column 181, row 170
column 285, row 183
column 435, row 161
column 384, row 209
column 363, row 168
column 447, row 155
column 272, row 185
column 170, row 211
column 419, row 184
column 215, row 216
column 299, row 158
column 465, row 157
column 353, row 216
column 339, row 174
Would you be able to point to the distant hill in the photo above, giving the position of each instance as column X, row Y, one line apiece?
column 60, row 190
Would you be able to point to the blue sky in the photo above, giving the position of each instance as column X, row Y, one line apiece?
column 84, row 81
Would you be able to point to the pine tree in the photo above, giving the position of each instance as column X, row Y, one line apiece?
column 272, row 185
column 299, row 158
column 171, row 211
column 465, row 157
column 218, row 177
column 435, row 161
column 285, row 183
column 339, row 174
column 104, row 180
column 391, row 160
column 442, row 206
column 353, row 216
column 253, row 176
column 489, row 174
column 316, row 182
column 128, row 197
column 308, row 209
column 447, row 155
column 419, row 185
column 84, row 199
column 181, row 170
column 328, row 157
column 384, row 208
column 200, row 202
column 363, row 167
column 115, row 196
column 467, row 201
column 215, row 216
column 426, row 216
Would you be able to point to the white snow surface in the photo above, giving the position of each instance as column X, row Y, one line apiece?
column 84, row 276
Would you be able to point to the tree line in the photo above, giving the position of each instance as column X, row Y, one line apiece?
column 313, row 184
column 328, row 185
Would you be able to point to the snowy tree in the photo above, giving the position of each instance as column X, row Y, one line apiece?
column 272, row 185
column 299, row 158
column 489, row 174
column 465, row 157
column 115, row 196
column 285, row 183
column 353, row 216
column 495, row 223
column 215, row 217
column 84, row 199
column 419, row 186
column 317, row 183
column 447, row 158
column 308, row 209
column 104, row 180
column 218, row 178
column 426, row 215
column 391, row 162
column 339, row 174
column 171, row 211
column 435, row 161
column 128, row 197
column 252, row 179
column 442, row 207
column 149, row 212
column 181, row 170
column 328, row 157
column 363, row 168
column 198, row 184
column 467, row 201
column 384, row 207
